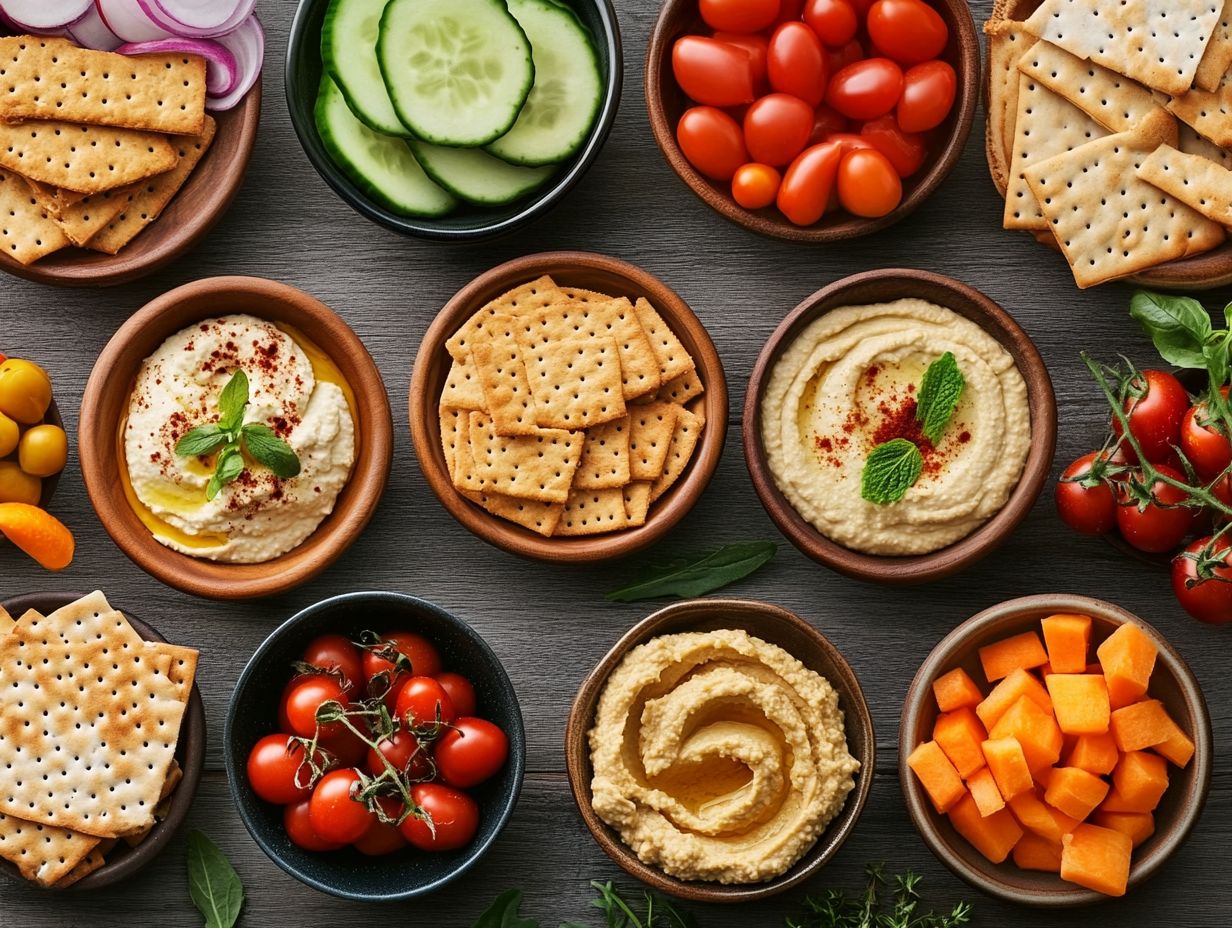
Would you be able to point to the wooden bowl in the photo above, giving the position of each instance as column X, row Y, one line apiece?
column 594, row 272
column 1172, row 682
column 1202, row 272
column 777, row 626
column 880, row 287
column 123, row 861
column 106, row 402
column 201, row 202
column 667, row 102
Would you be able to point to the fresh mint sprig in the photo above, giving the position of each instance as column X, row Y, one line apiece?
column 940, row 391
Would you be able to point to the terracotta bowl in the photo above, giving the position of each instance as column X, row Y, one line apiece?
column 667, row 102
column 880, row 287
column 777, row 626
column 106, row 401
column 594, row 272
column 1172, row 682
column 123, row 861
column 202, row 201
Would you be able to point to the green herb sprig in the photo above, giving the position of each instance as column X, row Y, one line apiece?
column 701, row 574
column 230, row 437
column 213, row 884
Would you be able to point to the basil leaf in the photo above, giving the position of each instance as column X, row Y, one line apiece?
column 503, row 913
column 700, row 575
column 204, row 439
column 231, row 402
column 891, row 469
column 214, row 885
column 230, row 465
column 1215, row 353
column 270, row 450
column 1178, row 325
column 940, row 391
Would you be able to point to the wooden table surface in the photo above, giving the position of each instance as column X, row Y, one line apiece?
column 550, row 623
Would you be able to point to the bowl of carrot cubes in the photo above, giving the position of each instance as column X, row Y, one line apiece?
column 1054, row 750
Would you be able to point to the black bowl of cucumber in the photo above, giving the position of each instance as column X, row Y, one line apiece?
column 455, row 121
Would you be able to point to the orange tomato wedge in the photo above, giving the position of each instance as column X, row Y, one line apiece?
column 40, row 534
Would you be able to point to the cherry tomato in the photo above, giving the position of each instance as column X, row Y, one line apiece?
column 1207, row 448
column 381, row 839
column 738, row 15
column 928, row 95
column 335, row 652
column 839, row 58
column 43, row 450
column 333, row 814
column 712, row 72
column 862, row 7
column 1090, row 510
column 1209, row 599
column 1155, row 416
column 422, row 702
column 776, row 128
column 346, row 747
column 834, row 21
column 460, row 691
column 789, row 10
column 305, row 696
column 756, row 46
column 866, row 89
column 850, row 141
column 25, row 391
column 755, row 186
column 455, row 817
column 272, row 765
column 299, row 828
column 868, row 185
column 905, row 150
column 712, row 141
column 471, row 751
column 827, row 121
column 1161, row 524
column 401, row 749
column 805, row 191
column 424, row 658
column 796, row 63
column 909, row 31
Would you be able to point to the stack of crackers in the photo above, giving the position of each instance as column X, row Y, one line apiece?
column 89, row 719
column 567, row 411
column 1109, row 128
column 93, row 145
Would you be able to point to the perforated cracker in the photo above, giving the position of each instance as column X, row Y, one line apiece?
column 682, row 389
column 1007, row 40
column 541, row 518
column 1194, row 144
column 462, row 389
column 501, row 372
column 1196, row 181
column 605, row 457
column 87, row 159
column 519, row 301
column 1111, row 99
column 27, row 232
column 539, row 466
column 157, row 93
column 42, row 853
column 95, row 860
column 650, row 437
column 53, row 199
column 1210, row 114
column 591, row 512
column 684, row 441
column 88, row 619
column 674, row 359
column 1218, row 56
column 637, row 502
column 465, row 474
column 575, row 382
column 85, row 218
column 453, row 425
column 175, row 773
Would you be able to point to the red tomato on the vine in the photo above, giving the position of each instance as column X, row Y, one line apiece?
column 455, row 818
column 1089, row 510
column 712, row 72
column 422, row 654
column 299, row 828
column 336, row 652
column 471, row 751
column 381, row 838
column 461, row 692
column 712, row 142
column 1208, row 600
column 1163, row 523
column 422, row 701
column 403, row 751
column 334, row 814
column 1155, row 416
column 928, row 96
column 273, row 764
column 346, row 747
column 305, row 696
column 867, row 89
column 796, row 63
column 909, row 31
column 1203, row 442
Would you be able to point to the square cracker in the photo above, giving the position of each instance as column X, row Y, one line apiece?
column 605, row 457
column 539, row 466
column 1007, row 40
column 674, row 359
column 42, row 853
column 1197, row 182
column 157, row 93
column 462, row 388
column 1210, row 114
column 1111, row 99
column 1218, row 56
column 1156, row 42
column 1110, row 223
column 27, row 232
column 518, row 302
column 454, row 423
column 87, row 159
column 682, row 389
column 591, row 512
column 650, row 437
column 684, row 440
column 575, row 382
column 87, row 865
column 541, row 518
column 85, row 218
column 637, row 502
column 54, row 199
column 501, row 372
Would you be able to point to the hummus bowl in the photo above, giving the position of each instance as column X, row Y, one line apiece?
column 1172, row 682
column 770, row 630
column 120, row 397
column 862, row 338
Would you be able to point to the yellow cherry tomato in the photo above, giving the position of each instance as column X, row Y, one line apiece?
column 16, row 486
column 25, row 391
column 10, row 434
column 43, row 450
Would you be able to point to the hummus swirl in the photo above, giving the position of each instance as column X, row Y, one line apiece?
column 718, row 756
column 827, row 396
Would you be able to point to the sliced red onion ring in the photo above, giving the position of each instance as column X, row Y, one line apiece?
column 128, row 22
column 203, row 19
column 91, row 32
column 43, row 16
column 247, row 44
column 221, row 70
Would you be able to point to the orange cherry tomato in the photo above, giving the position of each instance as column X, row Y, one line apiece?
column 909, row 31
column 712, row 73
column 755, row 45
column 712, row 141
column 906, row 150
column 777, row 127
column 805, row 191
column 866, row 89
column 755, row 186
column 868, row 185
column 738, row 15
column 834, row 21
column 826, row 121
column 796, row 63
column 928, row 96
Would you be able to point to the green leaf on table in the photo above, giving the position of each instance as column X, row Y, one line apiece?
column 699, row 575
column 204, row 439
column 503, row 913
column 270, row 450
column 230, row 465
column 232, row 401
column 1178, row 325
column 891, row 469
column 940, row 391
column 213, row 884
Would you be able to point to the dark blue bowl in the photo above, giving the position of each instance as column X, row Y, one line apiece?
column 468, row 223
column 252, row 714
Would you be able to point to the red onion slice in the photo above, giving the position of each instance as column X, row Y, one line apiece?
column 221, row 70
column 129, row 23
column 43, row 15
column 247, row 44
column 203, row 19
column 91, row 32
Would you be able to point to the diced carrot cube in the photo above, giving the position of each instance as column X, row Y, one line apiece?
column 1035, row 853
column 937, row 775
column 960, row 734
column 1127, row 657
column 1040, row 818
column 956, row 689
column 1075, row 792
column 1142, row 725
column 1034, row 728
column 1017, row 652
column 1080, row 702
column 1177, row 747
column 1097, row 858
column 1009, row 767
column 1043, row 776
column 1094, row 753
column 1138, row 825
column 1067, row 637
column 1019, row 683
column 994, row 836
column 984, row 791
column 1139, row 782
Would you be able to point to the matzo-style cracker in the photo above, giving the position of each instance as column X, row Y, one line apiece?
column 1111, row 99
column 87, row 865
column 650, row 437
column 1210, row 114
column 1194, row 144
column 1218, row 56
column 674, row 360
column 1195, row 181
column 539, row 466
column 502, row 376
column 590, row 512
column 605, row 457
column 85, row 218
column 1007, row 40
column 87, row 159
column 575, row 382
column 42, row 853
column 27, row 232
column 517, row 302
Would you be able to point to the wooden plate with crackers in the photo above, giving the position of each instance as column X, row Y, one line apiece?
column 1110, row 138
column 129, row 174
column 559, row 447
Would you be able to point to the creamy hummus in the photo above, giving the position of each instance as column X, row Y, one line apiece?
column 718, row 756
column 848, row 383
column 258, row 516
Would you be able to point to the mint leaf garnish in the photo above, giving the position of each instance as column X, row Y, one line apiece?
column 940, row 391
column 891, row 469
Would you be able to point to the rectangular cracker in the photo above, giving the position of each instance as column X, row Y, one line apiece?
column 89, row 618
column 541, row 518
column 87, row 159
column 1209, row 113
column 575, row 382
column 684, row 441
column 1108, row 222
column 54, row 199
column 673, row 358
column 453, row 422
column 585, row 312
column 592, row 512
column 27, row 231
column 1111, row 99
column 501, row 372
column 43, row 854
column 519, row 301
column 87, row 865
column 651, row 428
column 462, row 388
column 85, row 218
column 682, row 389
column 1007, row 40
column 1218, row 56
column 1156, row 42
column 1194, row 144
column 637, row 502
column 539, row 466
column 175, row 773
column 465, row 474
column 605, row 457
column 156, row 93
column 1197, row 182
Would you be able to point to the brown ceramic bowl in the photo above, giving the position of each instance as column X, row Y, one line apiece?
column 667, row 102
column 777, row 626
column 105, row 405
column 1172, row 682
column 201, row 202
column 123, row 861
column 880, row 287
column 592, row 272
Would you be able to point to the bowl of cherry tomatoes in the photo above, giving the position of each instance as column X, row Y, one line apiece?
column 813, row 120
column 374, row 746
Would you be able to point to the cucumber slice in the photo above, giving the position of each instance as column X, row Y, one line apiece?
column 348, row 50
column 564, row 102
column 473, row 175
column 380, row 165
column 457, row 72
